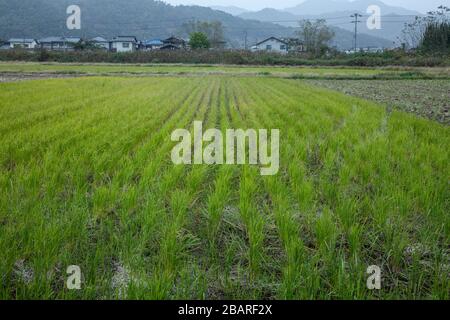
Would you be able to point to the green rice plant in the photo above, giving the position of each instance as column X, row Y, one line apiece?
column 86, row 179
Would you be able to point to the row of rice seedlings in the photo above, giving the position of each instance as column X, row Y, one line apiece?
column 225, row 235
column 324, row 226
column 51, row 164
column 31, row 144
column 220, row 264
column 174, row 241
column 410, row 190
column 219, row 197
column 250, row 206
column 380, row 182
column 122, row 197
column 281, row 204
column 216, row 202
column 93, row 142
column 51, row 109
column 202, row 226
column 48, row 164
column 149, row 163
column 53, row 167
column 281, row 208
column 286, row 120
column 42, row 102
column 347, row 208
column 341, row 207
column 137, row 202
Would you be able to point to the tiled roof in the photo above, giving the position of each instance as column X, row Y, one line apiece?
column 125, row 38
column 99, row 39
column 21, row 40
column 271, row 38
column 154, row 42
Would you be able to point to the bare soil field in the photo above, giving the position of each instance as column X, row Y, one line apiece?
column 426, row 98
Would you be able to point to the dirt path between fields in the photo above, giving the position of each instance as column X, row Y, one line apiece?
column 20, row 76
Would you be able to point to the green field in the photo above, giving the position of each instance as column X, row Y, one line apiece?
column 86, row 179
column 176, row 69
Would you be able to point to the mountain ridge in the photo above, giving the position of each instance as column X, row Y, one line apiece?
column 144, row 19
column 319, row 7
column 392, row 18
column 233, row 10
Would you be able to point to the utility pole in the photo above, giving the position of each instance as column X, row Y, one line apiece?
column 356, row 16
column 245, row 39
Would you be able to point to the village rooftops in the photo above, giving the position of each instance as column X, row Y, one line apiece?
column 22, row 40
column 170, row 46
column 72, row 39
column 60, row 39
column 51, row 39
column 272, row 38
column 125, row 39
column 174, row 40
column 153, row 42
column 99, row 39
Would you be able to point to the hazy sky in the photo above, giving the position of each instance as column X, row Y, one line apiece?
column 419, row 5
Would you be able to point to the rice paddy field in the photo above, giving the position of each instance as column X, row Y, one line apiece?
column 231, row 70
column 86, row 179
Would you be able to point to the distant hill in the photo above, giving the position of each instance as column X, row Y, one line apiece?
column 344, row 39
column 269, row 14
column 233, row 10
column 144, row 19
column 107, row 18
column 320, row 7
column 337, row 13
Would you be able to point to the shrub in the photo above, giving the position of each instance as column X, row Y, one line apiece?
column 205, row 56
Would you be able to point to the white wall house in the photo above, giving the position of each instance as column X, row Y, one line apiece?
column 52, row 43
column 272, row 44
column 100, row 42
column 59, row 43
column 22, row 43
column 123, row 44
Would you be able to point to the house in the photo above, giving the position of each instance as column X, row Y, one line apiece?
column 154, row 44
column 70, row 42
column 100, row 43
column 169, row 47
column 52, row 43
column 365, row 50
column 272, row 44
column 59, row 43
column 174, row 43
column 372, row 50
column 22, row 43
column 4, row 46
column 123, row 44
column 295, row 45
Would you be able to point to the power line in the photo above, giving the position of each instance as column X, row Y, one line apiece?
column 356, row 16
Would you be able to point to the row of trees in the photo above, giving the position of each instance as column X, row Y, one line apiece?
column 316, row 35
column 205, row 34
